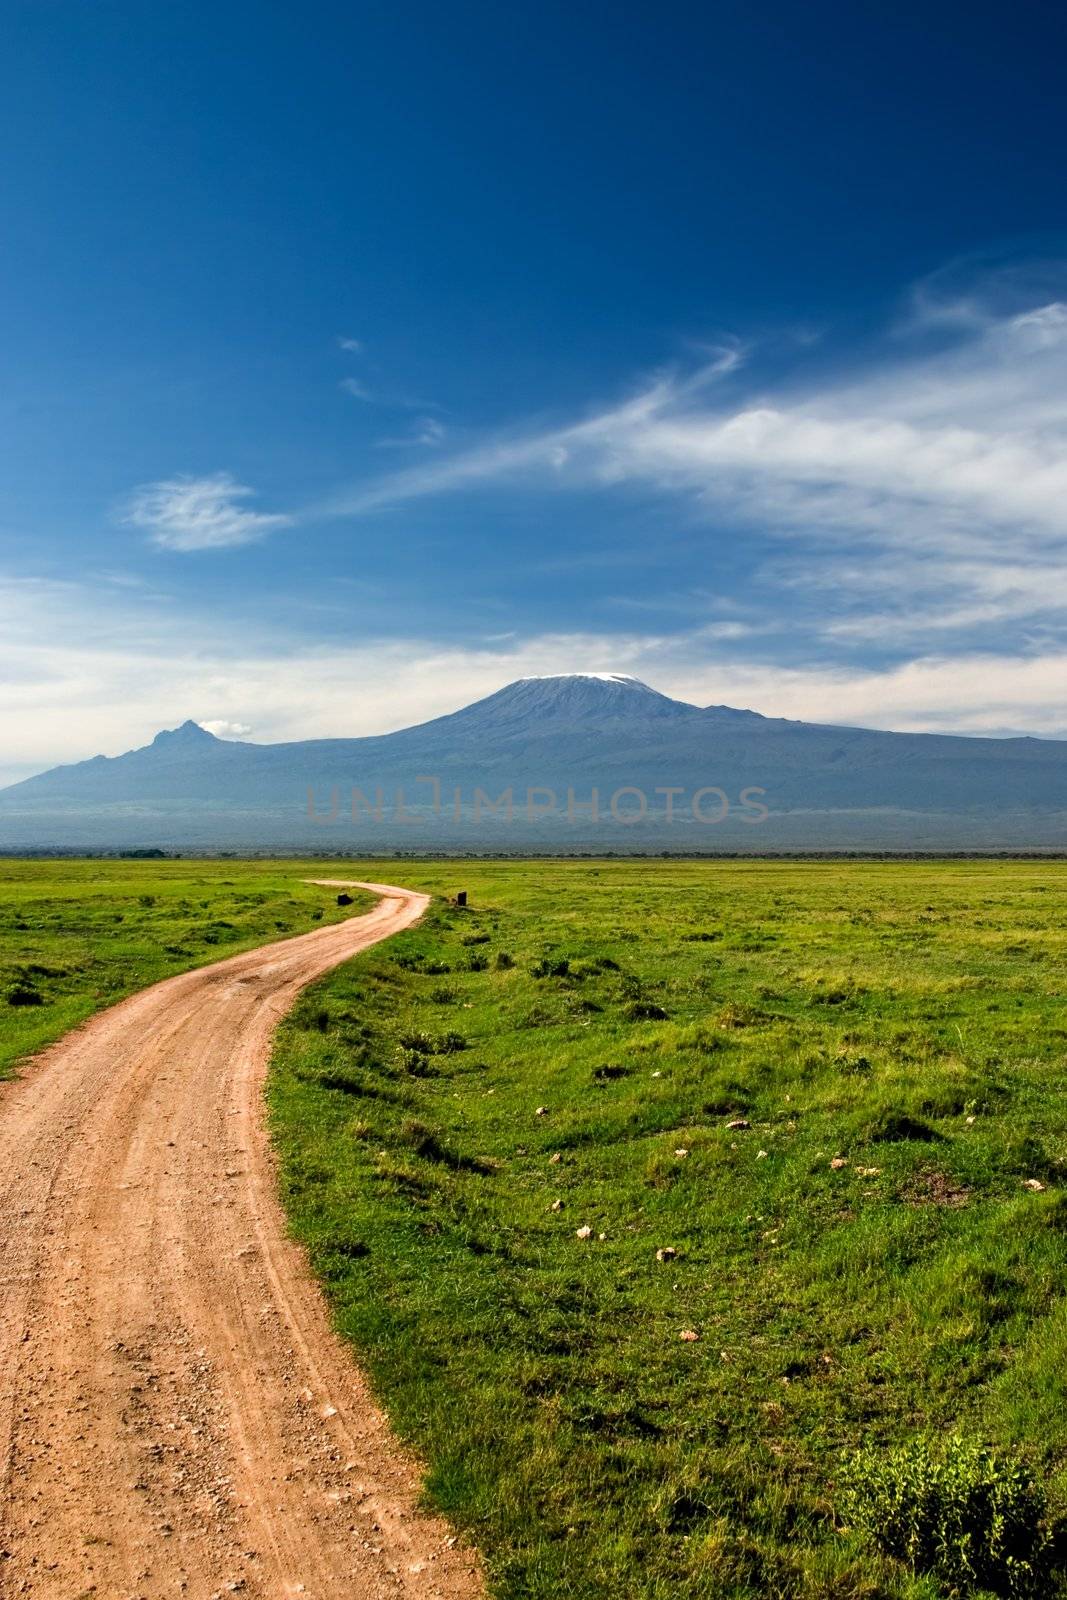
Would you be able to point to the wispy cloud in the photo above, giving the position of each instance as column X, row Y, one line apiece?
column 187, row 513
column 424, row 431
column 925, row 491
column 354, row 347
column 356, row 388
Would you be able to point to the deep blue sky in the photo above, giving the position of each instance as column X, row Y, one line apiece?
column 525, row 218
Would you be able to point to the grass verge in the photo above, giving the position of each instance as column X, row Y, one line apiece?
column 76, row 936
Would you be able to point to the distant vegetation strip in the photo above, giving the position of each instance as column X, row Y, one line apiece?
column 651, row 1192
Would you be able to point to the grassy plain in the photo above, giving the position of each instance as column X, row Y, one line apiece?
column 834, row 1091
column 79, row 935
column 878, row 1255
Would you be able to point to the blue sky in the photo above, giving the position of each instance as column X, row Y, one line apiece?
column 360, row 358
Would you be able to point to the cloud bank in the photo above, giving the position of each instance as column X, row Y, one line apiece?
column 89, row 670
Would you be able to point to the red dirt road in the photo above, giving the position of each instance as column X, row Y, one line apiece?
column 177, row 1417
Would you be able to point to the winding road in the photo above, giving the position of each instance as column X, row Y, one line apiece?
column 177, row 1416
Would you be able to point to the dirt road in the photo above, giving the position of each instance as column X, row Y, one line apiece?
column 177, row 1417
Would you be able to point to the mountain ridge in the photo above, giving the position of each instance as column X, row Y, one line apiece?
column 562, row 733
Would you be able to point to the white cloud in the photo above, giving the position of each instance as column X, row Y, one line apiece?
column 187, row 513
column 226, row 730
column 354, row 347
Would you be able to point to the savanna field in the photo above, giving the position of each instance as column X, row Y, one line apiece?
column 649, row 1193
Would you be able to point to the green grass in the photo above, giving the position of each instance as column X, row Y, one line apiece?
column 79, row 935
column 906, row 1020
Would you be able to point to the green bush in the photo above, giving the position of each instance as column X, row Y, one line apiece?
column 551, row 967
column 23, row 993
column 972, row 1519
column 644, row 1011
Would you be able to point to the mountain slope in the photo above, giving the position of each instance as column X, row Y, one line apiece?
column 822, row 784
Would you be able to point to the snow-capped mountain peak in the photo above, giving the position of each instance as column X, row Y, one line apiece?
column 570, row 698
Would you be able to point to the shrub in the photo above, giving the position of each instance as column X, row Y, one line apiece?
column 551, row 967
column 422, row 1043
column 972, row 1519
column 644, row 1011
column 504, row 961
column 24, row 993
column 477, row 963
column 415, row 1063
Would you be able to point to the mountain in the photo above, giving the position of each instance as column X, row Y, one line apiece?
column 682, row 776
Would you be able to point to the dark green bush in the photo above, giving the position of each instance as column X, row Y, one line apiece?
column 24, row 993
column 972, row 1519
column 551, row 967
column 644, row 1011
column 419, row 1041
column 424, row 1044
